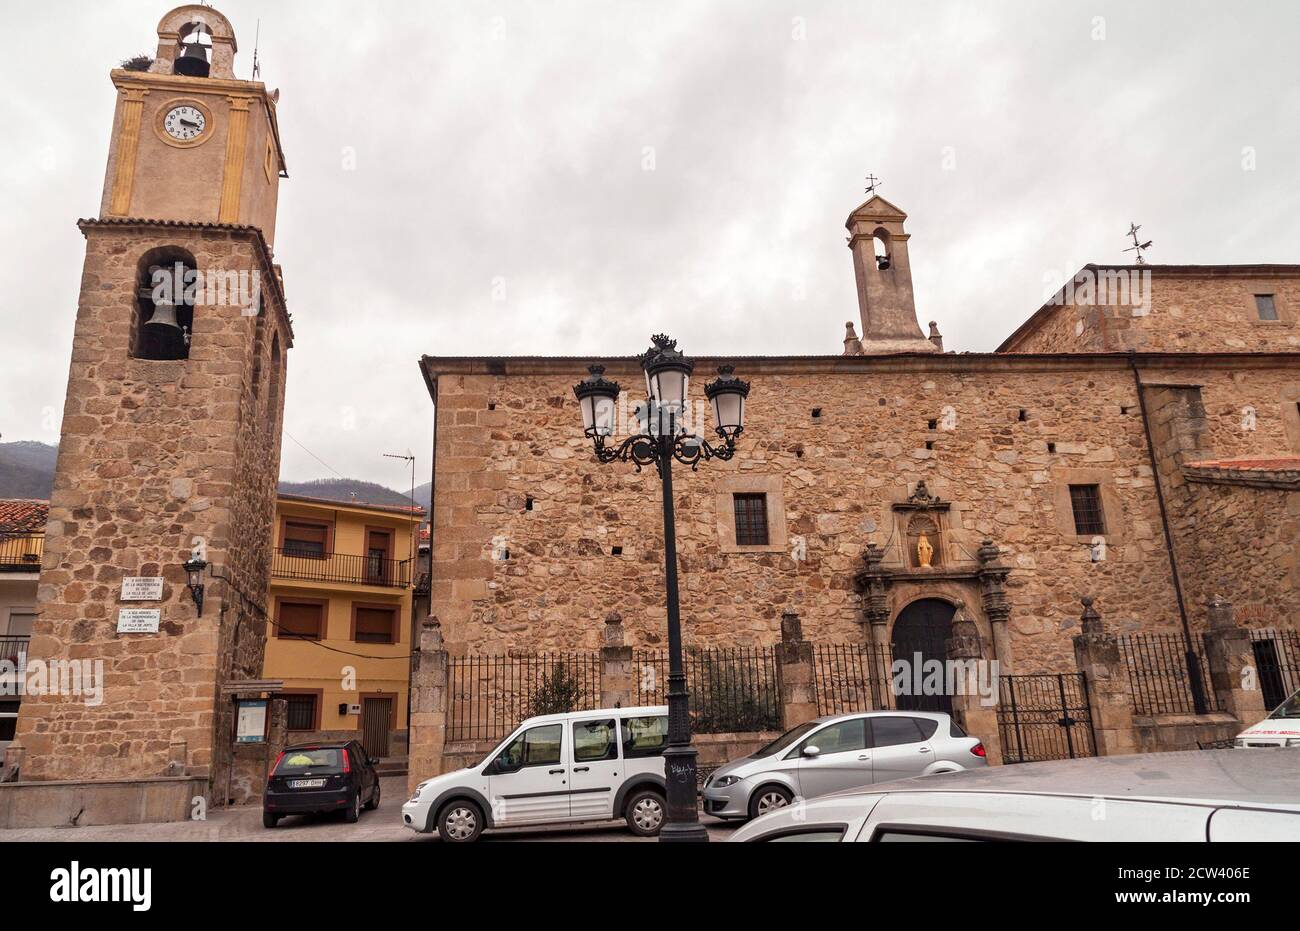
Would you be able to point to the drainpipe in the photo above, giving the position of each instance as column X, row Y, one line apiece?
column 1193, row 665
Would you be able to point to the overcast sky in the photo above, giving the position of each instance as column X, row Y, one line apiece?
column 567, row 178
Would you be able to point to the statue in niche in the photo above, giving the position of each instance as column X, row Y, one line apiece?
column 923, row 542
column 924, row 552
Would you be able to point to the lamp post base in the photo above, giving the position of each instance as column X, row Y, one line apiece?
column 683, row 833
column 683, row 821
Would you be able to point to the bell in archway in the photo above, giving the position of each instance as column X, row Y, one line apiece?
column 164, row 315
column 193, row 62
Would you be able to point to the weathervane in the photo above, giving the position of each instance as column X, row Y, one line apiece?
column 1137, row 246
column 872, row 183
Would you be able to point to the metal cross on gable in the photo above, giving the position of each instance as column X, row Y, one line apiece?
column 1138, row 245
column 872, row 183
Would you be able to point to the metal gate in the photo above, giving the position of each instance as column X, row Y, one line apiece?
column 1277, row 660
column 376, row 719
column 1045, row 717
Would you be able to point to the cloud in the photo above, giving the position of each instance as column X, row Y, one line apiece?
column 567, row 178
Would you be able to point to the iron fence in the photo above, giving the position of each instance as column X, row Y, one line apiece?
column 851, row 677
column 1277, row 663
column 731, row 689
column 489, row 695
column 1045, row 716
column 1158, row 672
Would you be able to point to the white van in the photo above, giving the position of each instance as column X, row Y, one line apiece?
column 557, row 768
column 1279, row 729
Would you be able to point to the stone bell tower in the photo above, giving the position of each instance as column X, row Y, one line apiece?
column 884, row 279
column 170, row 443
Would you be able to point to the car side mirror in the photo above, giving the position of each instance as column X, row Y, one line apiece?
column 812, row 752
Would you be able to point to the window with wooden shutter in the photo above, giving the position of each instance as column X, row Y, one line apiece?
column 301, row 620
column 304, row 538
column 374, row 625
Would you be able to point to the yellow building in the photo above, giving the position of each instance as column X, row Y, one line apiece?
column 341, row 619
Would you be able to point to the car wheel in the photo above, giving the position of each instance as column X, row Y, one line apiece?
column 769, row 798
column 374, row 799
column 460, row 822
column 353, row 812
column 645, row 813
column 269, row 820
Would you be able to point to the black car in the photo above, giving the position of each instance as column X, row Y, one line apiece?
column 321, row 777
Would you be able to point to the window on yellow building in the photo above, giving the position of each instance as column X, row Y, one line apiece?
column 374, row 624
column 301, row 712
column 301, row 620
column 304, row 538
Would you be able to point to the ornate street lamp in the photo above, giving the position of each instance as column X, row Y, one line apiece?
column 663, row 439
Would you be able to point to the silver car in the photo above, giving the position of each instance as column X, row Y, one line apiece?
column 842, row 751
column 1194, row 796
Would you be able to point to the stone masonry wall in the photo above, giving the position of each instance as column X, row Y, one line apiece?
column 1204, row 311
column 155, row 455
column 508, row 575
column 1240, row 542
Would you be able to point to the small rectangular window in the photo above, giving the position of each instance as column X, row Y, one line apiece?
column 751, row 519
column 1265, row 307
column 1086, row 502
column 301, row 712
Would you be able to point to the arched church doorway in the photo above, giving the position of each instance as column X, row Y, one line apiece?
column 921, row 633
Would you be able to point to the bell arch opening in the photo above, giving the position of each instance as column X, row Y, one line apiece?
column 164, row 317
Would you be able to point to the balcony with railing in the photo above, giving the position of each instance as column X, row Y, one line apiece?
column 305, row 566
column 13, row 655
column 21, row 552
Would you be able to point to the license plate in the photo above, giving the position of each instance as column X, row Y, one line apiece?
column 306, row 783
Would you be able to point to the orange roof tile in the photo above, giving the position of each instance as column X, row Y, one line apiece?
column 21, row 515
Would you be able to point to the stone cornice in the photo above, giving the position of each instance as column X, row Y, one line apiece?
column 916, row 363
column 1269, row 479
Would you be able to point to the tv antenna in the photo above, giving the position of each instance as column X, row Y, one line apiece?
column 257, row 38
column 872, row 184
column 1138, row 245
column 410, row 458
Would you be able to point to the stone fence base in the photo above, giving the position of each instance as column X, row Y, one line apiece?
column 77, row 804
column 1163, row 733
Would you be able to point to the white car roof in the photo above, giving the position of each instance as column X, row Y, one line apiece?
column 638, row 711
column 1266, row 778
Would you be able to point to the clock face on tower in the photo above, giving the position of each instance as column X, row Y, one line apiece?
column 185, row 123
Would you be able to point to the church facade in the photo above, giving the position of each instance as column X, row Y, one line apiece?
column 1137, row 440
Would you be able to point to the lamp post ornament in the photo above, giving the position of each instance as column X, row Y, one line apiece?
column 663, row 439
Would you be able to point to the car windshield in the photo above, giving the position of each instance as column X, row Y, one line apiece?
column 1289, row 708
column 312, row 759
column 785, row 740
